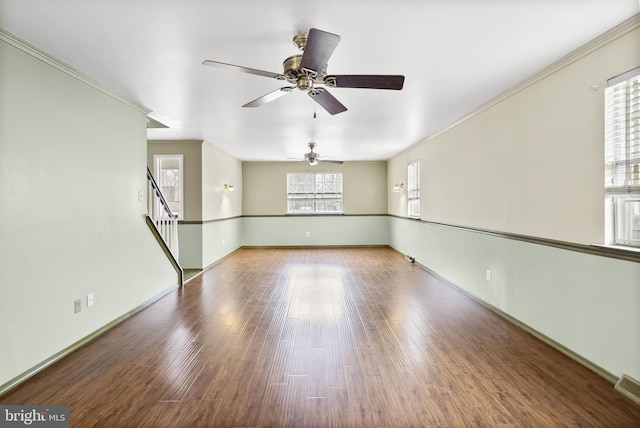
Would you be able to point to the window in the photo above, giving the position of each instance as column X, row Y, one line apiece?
column 622, row 157
column 413, row 189
column 311, row 193
column 168, row 174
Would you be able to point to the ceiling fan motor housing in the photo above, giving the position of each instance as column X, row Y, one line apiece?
column 291, row 67
column 311, row 156
column 294, row 72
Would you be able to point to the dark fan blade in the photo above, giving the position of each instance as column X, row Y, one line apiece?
column 320, row 45
column 330, row 161
column 270, row 97
column 244, row 69
column 373, row 81
column 327, row 101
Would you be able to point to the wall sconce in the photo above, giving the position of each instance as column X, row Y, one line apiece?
column 398, row 187
column 228, row 188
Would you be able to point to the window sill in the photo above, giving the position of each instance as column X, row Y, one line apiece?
column 314, row 214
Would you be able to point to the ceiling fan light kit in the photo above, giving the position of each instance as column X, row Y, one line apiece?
column 308, row 72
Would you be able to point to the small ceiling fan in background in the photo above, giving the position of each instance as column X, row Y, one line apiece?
column 308, row 72
column 313, row 158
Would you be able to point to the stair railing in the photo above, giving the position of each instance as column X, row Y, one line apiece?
column 161, row 216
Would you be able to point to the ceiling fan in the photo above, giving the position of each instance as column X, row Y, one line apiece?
column 308, row 72
column 313, row 158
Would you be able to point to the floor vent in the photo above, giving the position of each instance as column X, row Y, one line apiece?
column 629, row 387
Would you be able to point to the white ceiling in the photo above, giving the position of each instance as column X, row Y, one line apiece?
column 455, row 54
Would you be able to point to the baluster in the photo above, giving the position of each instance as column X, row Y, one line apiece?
column 175, row 237
column 158, row 211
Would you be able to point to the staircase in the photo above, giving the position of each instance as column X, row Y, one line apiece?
column 164, row 224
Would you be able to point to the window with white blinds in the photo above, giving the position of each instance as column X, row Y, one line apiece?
column 622, row 156
column 413, row 189
column 314, row 193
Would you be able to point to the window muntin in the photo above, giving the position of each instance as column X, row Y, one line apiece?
column 314, row 193
column 622, row 156
column 413, row 189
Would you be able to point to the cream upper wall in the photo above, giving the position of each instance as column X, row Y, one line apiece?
column 265, row 186
column 206, row 170
column 531, row 162
column 220, row 168
column 192, row 174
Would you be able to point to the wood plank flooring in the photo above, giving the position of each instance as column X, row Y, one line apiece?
column 353, row 337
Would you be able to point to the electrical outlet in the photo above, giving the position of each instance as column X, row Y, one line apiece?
column 77, row 306
column 89, row 300
column 487, row 275
column 223, row 242
column 306, row 234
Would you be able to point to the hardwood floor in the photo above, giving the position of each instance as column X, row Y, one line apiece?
column 353, row 337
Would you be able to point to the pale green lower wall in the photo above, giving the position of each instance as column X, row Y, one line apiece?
column 202, row 244
column 72, row 163
column 220, row 238
column 190, row 244
column 587, row 303
column 322, row 230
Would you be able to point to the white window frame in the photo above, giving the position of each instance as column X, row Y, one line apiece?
column 313, row 195
column 622, row 159
column 413, row 189
column 177, row 201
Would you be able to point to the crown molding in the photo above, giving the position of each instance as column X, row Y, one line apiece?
column 604, row 39
column 29, row 49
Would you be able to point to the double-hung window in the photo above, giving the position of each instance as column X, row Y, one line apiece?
column 413, row 189
column 314, row 193
column 169, row 176
column 622, row 157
